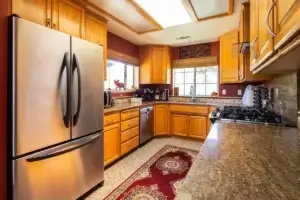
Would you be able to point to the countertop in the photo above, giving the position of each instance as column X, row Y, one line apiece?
column 125, row 106
column 245, row 162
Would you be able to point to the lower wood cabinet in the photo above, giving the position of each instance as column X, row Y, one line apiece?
column 190, row 126
column 179, row 124
column 161, row 120
column 111, row 143
column 129, row 145
column 197, row 127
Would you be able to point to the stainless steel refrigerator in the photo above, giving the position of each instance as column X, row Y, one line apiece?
column 56, row 113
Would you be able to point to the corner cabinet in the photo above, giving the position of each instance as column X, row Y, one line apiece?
column 155, row 65
column 161, row 120
column 229, row 57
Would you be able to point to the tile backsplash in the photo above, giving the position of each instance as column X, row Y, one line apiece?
column 285, row 96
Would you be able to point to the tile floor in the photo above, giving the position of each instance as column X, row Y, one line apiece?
column 121, row 170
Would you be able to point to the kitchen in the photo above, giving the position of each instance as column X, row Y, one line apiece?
column 174, row 144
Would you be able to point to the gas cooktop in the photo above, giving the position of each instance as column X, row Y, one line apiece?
column 249, row 114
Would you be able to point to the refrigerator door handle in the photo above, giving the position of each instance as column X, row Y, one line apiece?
column 56, row 152
column 65, row 109
column 76, row 66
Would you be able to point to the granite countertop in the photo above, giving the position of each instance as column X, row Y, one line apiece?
column 245, row 162
column 125, row 106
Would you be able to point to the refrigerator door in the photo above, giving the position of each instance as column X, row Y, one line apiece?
column 40, row 73
column 87, row 103
column 65, row 172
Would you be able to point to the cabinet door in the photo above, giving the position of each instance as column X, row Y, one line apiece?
column 229, row 57
column 37, row 11
column 145, row 64
column 159, row 65
column 96, row 32
column 161, row 120
column 253, row 33
column 265, row 29
column 179, row 125
column 68, row 17
column 112, row 143
column 197, row 127
column 287, row 21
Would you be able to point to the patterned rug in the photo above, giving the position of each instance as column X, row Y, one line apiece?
column 159, row 177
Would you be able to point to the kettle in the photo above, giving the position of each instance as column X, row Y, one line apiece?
column 248, row 97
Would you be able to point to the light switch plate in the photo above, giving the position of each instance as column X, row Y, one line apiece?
column 223, row 92
column 239, row 92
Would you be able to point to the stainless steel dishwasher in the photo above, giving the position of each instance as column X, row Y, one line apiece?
column 146, row 124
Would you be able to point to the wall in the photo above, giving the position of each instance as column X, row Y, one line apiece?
column 287, row 94
column 3, row 79
column 121, row 45
column 231, row 89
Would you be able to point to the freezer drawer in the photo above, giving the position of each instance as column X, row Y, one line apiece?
column 61, row 173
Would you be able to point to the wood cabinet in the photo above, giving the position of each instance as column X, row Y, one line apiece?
column 179, row 124
column 68, row 17
column 229, row 57
column 155, row 65
column 96, row 32
column 245, row 74
column 38, row 11
column 161, row 120
column 286, row 20
column 272, row 25
column 111, row 143
column 197, row 127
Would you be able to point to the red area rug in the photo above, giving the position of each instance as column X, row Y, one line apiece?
column 159, row 177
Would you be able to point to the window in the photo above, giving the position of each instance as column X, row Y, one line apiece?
column 203, row 79
column 124, row 73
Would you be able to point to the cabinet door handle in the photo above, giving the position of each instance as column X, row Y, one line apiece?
column 54, row 26
column 48, row 22
column 267, row 19
column 253, row 49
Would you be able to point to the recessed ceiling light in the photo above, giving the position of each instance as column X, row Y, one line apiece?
column 183, row 37
column 166, row 12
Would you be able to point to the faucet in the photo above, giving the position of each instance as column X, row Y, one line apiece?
column 193, row 93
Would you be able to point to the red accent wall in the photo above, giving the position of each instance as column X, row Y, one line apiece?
column 4, row 11
column 121, row 45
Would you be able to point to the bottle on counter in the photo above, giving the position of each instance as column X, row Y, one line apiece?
column 157, row 94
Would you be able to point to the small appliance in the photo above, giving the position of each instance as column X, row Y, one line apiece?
column 248, row 97
column 107, row 99
column 165, row 95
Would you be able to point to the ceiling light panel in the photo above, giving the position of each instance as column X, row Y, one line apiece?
column 166, row 12
column 209, row 8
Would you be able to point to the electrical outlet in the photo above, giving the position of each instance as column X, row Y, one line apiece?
column 239, row 92
column 223, row 92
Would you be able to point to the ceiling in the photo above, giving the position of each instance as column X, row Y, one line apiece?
column 210, row 19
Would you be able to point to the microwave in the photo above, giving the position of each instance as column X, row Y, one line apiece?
column 107, row 99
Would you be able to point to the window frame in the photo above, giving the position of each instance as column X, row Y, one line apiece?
column 125, row 77
column 195, row 81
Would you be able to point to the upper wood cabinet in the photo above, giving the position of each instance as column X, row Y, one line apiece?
column 197, row 127
column 38, row 11
column 68, row 17
column 287, row 23
column 96, row 32
column 161, row 120
column 245, row 74
column 229, row 57
column 155, row 65
column 272, row 25
column 179, row 125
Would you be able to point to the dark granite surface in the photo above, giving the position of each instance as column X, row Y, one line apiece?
column 245, row 162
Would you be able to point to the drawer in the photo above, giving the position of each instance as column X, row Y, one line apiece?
column 129, row 145
column 189, row 109
column 129, row 114
column 127, row 135
column 111, row 119
column 129, row 124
